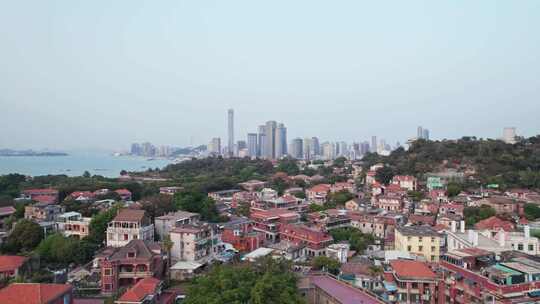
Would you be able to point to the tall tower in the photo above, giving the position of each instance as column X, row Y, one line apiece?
column 270, row 140
column 230, row 130
column 374, row 144
column 252, row 144
column 281, row 141
column 420, row 132
column 261, row 142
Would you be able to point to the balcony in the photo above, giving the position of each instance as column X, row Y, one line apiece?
column 134, row 274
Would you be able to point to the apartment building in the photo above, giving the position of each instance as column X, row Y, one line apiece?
column 128, row 225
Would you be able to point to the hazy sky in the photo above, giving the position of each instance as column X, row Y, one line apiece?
column 76, row 74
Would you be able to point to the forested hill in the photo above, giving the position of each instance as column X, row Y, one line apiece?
column 494, row 161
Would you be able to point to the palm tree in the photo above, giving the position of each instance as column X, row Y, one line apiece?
column 167, row 245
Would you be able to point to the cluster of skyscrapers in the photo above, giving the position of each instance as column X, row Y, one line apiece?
column 270, row 142
column 422, row 133
column 147, row 149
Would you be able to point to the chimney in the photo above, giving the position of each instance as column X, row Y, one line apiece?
column 453, row 226
column 527, row 230
column 462, row 226
column 502, row 238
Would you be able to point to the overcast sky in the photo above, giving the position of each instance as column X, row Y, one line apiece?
column 103, row 74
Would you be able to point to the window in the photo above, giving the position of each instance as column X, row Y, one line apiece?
column 520, row 246
column 135, row 236
column 531, row 247
column 432, row 239
column 420, row 248
column 126, row 237
column 420, row 239
column 409, row 248
column 432, row 258
column 432, row 248
column 108, row 286
column 108, row 272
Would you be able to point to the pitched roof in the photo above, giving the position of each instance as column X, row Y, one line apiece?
column 142, row 249
column 11, row 262
column 320, row 188
column 494, row 223
column 343, row 292
column 407, row 269
column 129, row 215
column 139, row 291
column 32, row 293
column 7, row 210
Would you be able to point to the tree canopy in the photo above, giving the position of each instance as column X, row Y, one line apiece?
column 25, row 237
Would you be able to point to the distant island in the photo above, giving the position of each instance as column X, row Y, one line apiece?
column 9, row 152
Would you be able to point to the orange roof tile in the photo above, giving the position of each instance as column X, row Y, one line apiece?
column 140, row 290
column 32, row 293
column 412, row 269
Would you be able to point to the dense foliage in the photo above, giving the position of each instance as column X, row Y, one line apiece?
column 325, row 263
column 60, row 250
column 494, row 161
column 199, row 203
column 475, row 214
column 358, row 240
column 25, row 237
column 267, row 281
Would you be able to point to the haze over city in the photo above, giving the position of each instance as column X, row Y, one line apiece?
column 101, row 74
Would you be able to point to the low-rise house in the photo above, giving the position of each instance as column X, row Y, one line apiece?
column 42, row 212
column 318, row 194
column 83, row 196
column 240, row 234
column 268, row 194
column 494, row 224
column 416, row 219
column 451, row 208
column 147, row 290
column 405, row 181
column 318, row 289
column 420, row 240
column 288, row 250
column 269, row 221
column 170, row 190
column 389, row 203
column 137, row 260
column 165, row 223
column 252, row 185
column 352, row 205
column 501, row 204
column 11, row 266
column 339, row 252
column 330, row 219
column 73, row 224
column 128, row 225
column 47, row 195
column 125, row 194
column 362, row 274
column 37, row 293
column 315, row 241
column 343, row 186
column 415, row 282
column 5, row 212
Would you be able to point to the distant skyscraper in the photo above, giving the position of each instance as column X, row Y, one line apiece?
column 136, row 149
column 364, row 148
column 230, row 130
column 297, row 148
column 343, row 149
column 509, row 135
column 425, row 134
column 420, row 132
column 307, row 149
column 315, row 146
column 328, row 150
column 373, row 144
column 281, row 141
column 241, row 144
column 261, row 142
column 252, row 144
column 270, row 140
column 215, row 146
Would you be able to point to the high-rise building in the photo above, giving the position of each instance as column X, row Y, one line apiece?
column 252, row 144
column 136, row 149
column 425, row 134
column 230, row 130
column 297, row 148
column 373, row 144
column 328, row 150
column 148, row 149
column 281, row 141
column 364, row 148
column 419, row 132
column 343, row 149
column 241, row 144
column 215, row 146
column 270, row 140
column 509, row 135
column 315, row 146
column 308, row 146
column 261, row 141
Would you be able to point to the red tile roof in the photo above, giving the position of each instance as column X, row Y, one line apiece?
column 342, row 292
column 320, row 188
column 412, row 269
column 7, row 210
column 494, row 223
column 32, row 293
column 139, row 291
column 129, row 215
column 123, row 191
column 11, row 262
column 44, row 199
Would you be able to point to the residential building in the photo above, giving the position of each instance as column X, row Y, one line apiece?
column 125, row 194
column 214, row 148
column 318, row 194
column 165, row 223
column 324, row 289
column 5, row 213
column 415, row 282
column 128, row 225
column 252, row 185
column 240, row 234
column 269, row 221
column 73, row 224
column 42, row 212
column 389, row 203
column 47, row 195
column 147, row 290
column 405, row 181
column 170, row 190
column 193, row 243
column 420, row 240
column 509, row 135
column 11, row 266
column 36, row 293
column 315, row 241
column 127, row 265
